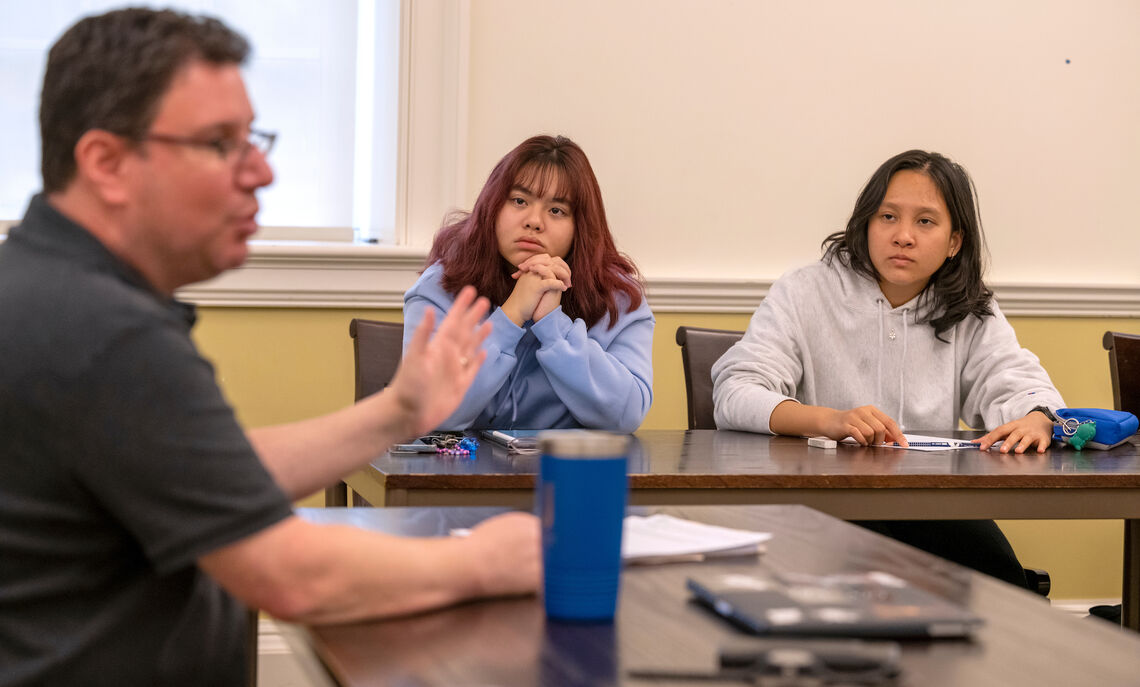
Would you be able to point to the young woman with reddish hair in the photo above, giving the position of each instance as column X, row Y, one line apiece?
column 572, row 335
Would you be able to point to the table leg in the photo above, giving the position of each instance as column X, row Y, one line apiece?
column 251, row 648
column 359, row 501
column 336, row 496
column 1130, row 613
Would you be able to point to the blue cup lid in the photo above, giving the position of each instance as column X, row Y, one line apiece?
column 582, row 443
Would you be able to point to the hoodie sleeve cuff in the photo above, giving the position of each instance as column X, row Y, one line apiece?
column 552, row 328
column 505, row 334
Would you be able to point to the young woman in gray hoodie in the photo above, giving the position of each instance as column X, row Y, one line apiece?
column 895, row 330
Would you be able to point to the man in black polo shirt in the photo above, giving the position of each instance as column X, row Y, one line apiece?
column 135, row 513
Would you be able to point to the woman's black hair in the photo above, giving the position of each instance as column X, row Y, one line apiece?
column 956, row 289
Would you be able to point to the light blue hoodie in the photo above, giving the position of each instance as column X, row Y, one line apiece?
column 550, row 374
column 826, row 336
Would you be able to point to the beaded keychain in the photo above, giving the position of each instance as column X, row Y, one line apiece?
column 464, row 447
column 451, row 444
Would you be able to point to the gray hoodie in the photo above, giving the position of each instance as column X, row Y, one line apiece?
column 826, row 336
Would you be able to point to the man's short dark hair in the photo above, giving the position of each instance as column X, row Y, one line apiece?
column 110, row 71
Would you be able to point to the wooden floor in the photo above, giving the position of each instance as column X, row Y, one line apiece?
column 278, row 665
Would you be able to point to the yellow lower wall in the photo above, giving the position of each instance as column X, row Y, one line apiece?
column 278, row 365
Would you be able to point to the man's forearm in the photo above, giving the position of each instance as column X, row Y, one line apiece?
column 309, row 573
column 319, row 574
column 358, row 574
column 307, row 456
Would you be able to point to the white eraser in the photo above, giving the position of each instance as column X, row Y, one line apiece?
column 822, row 442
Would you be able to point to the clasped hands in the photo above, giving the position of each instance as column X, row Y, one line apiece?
column 540, row 281
column 868, row 425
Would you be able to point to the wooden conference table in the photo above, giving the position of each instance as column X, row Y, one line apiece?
column 508, row 642
column 696, row 467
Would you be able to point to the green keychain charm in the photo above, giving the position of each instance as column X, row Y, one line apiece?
column 1084, row 432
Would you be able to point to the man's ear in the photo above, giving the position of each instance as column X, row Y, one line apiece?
column 103, row 162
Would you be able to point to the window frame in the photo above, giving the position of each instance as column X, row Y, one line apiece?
column 430, row 179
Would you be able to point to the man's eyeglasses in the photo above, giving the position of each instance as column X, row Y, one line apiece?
column 224, row 147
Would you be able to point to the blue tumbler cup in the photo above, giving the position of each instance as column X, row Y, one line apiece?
column 581, row 497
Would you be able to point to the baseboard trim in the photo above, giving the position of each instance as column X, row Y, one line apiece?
column 269, row 639
column 1080, row 607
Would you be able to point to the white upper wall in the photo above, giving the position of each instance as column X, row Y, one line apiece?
column 730, row 137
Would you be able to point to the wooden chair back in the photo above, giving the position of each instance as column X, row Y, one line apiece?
column 700, row 349
column 1124, row 369
column 377, row 348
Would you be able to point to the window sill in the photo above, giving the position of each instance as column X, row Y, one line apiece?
column 314, row 274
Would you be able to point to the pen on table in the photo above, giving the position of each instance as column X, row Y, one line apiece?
column 941, row 444
column 501, row 436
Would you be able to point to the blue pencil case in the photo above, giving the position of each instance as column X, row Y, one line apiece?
column 1113, row 427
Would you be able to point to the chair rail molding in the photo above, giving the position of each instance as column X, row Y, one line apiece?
column 332, row 275
column 1023, row 300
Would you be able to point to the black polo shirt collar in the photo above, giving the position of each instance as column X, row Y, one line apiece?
column 55, row 232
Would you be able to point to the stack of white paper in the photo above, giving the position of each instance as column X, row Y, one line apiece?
column 665, row 539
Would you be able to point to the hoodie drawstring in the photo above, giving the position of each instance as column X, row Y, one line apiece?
column 900, row 416
column 902, row 369
column 879, row 374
